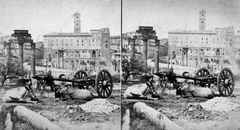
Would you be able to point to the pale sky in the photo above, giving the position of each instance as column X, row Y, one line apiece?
column 167, row 15
column 44, row 16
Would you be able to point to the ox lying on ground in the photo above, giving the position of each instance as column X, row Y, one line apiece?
column 20, row 94
column 190, row 90
column 144, row 90
column 66, row 92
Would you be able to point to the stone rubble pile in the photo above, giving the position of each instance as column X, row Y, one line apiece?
column 196, row 111
column 73, row 108
column 219, row 104
column 99, row 105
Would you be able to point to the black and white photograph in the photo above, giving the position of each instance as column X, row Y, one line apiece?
column 180, row 65
column 119, row 65
column 60, row 64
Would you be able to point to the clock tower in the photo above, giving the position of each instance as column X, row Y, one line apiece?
column 77, row 23
column 202, row 20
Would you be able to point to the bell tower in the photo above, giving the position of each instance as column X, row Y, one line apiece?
column 77, row 23
column 202, row 20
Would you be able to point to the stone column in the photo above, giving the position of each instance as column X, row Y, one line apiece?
column 145, row 52
column 21, row 55
column 203, row 57
column 199, row 57
column 157, row 49
column 58, row 59
column 182, row 56
column 74, row 61
column 62, row 60
column 8, row 47
column 33, row 59
column 186, row 57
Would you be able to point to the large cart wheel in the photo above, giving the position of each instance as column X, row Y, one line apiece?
column 61, row 75
column 225, row 82
column 185, row 73
column 104, row 84
column 203, row 72
column 80, row 74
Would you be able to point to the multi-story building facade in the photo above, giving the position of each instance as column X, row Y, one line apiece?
column 39, row 50
column 194, row 48
column 115, row 43
column 237, row 50
column 73, row 50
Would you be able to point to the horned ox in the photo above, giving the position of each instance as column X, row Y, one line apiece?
column 20, row 94
column 190, row 90
column 144, row 90
column 65, row 91
column 68, row 92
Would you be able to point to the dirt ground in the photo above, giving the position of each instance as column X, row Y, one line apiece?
column 60, row 113
column 177, row 109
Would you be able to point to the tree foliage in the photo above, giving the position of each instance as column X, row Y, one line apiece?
column 10, row 70
column 133, row 67
column 124, row 50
